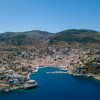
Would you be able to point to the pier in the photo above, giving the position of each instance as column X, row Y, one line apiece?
column 57, row 72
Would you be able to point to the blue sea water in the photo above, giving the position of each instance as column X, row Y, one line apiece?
column 57, row 87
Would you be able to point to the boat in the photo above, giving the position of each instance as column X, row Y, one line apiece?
column 6, row 90
column 30, row 85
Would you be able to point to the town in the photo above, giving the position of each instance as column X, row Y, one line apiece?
column 17, row 64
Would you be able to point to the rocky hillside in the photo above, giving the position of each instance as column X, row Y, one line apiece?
column 73, row 35
column 24, row 38
column 82, row 36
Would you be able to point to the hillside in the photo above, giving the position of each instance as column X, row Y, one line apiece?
column 73, row 35
column 83, row 37
column 24, row 38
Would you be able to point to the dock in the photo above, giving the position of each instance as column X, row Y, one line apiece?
column 57, row 72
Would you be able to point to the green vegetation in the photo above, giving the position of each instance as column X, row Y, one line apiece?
column 91, row 69
column 73, row 38
column 98, row 52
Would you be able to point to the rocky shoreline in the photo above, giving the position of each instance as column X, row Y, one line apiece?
column 66, row 71
column 84, row 75
column 34, row 84
column 29, row 84
column 24, row 87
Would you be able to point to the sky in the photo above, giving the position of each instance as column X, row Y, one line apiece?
column 49, row 15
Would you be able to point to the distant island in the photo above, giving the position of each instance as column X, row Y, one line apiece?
column 22, row 53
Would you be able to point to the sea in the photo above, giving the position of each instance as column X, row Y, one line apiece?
column 57, row 87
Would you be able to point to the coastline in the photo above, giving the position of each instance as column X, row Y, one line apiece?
column 70, row 72
column 62, row 71
column 85, row 75
column 23, row 86
column 49, row 83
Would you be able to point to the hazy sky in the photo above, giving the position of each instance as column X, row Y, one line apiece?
column 49, row 15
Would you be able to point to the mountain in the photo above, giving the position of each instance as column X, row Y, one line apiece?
column 24, row 38
column 82, row 36
column 74, row 35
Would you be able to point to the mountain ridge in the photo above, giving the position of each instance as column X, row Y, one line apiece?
column 37, row 36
